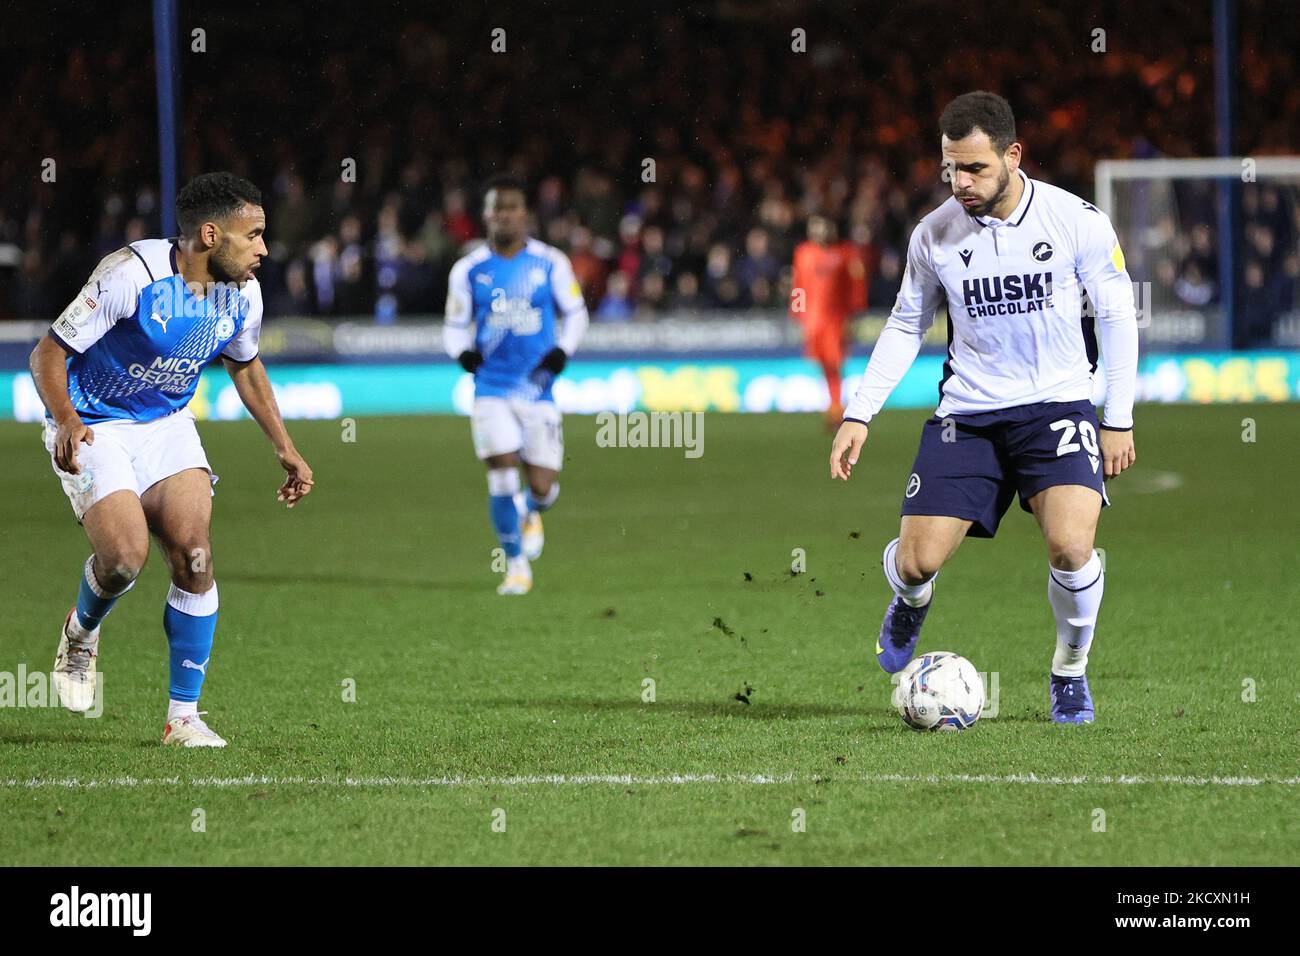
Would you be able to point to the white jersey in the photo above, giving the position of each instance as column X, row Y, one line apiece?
column 1017, row 330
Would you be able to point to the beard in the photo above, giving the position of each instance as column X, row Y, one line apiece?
column 223, row 267
column 986, row 208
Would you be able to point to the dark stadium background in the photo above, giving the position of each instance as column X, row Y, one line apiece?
column 748, row 137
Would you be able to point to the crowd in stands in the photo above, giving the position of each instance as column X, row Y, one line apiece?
column 675, row 157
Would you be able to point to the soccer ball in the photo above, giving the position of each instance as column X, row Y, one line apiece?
column 939, row 691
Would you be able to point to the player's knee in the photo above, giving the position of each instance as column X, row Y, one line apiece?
column 1070, row 554
column 540, row 487
column 117, row 566
column 191, row 565
column 916, row 567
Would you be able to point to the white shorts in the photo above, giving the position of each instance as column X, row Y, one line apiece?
column 129, row 456
column 501, row 426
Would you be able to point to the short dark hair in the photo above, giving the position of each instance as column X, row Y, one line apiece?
column 213, row 196
column 505, row 181
column 980, row 110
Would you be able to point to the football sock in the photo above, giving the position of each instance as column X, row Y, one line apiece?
column 544, row 502
column 503, row 485
column 190, row 621
column 1075, row 597
column 94, row 601
column 916, row 595
column 181, row 708
column 519, row 566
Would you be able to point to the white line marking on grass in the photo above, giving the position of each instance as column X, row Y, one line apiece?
column 579, row 780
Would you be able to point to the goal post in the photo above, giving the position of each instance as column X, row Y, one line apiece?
column 1212, row 245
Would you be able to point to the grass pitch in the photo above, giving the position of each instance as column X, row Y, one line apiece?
column 515, row 730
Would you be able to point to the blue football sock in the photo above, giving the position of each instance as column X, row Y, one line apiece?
column 541, row 504
column 503, row 484
column 190, row 621
column 93, row 600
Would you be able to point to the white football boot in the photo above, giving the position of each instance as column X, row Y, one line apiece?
column 75, row 674
column 191, row 731
column 519, row 577
column 530, row 523
column 534, row 538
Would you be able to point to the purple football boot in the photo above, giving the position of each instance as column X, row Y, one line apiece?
column 1071, row 700
column 899, row 632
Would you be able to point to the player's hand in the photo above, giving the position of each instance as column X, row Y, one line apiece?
column 846, row 448
column 299, row 482
column 71, row 434
column 553, row 361
column 470, row 360
column 1117, row 452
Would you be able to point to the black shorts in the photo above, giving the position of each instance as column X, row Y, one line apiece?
column 971, row 466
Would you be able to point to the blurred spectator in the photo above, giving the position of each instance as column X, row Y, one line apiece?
column 617, row 305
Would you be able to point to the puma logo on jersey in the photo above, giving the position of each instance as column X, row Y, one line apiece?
column 161, row 319
column 201, row 668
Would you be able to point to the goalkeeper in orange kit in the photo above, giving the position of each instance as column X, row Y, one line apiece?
column 829, row 285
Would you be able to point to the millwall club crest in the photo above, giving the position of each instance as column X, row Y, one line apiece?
column 1042, row 251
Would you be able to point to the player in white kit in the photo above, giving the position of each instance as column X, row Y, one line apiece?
column 116, row 373
column 1012, row 257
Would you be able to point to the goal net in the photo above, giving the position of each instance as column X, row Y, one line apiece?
column 1212, row 247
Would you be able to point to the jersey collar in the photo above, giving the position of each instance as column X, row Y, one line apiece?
column 1022, row 208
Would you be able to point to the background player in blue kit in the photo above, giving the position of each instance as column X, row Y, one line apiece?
column 1012, row 257
column 116, row 372
column 502, row 301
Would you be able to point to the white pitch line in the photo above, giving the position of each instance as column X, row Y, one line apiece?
column 563, row 780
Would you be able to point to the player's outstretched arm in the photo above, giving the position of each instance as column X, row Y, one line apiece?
column 254, row 388
column 49, row 367
column 846, row 448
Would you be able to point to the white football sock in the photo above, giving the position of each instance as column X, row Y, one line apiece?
column 79, row 635
column 181, row 708
column 916, row 595
column 519, row 565
column 1075, row 597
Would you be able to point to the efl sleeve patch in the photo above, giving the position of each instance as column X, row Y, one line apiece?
column 1117, row 258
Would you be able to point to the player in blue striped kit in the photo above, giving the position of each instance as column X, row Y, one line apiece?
column 502, row 304
column 116, row 372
